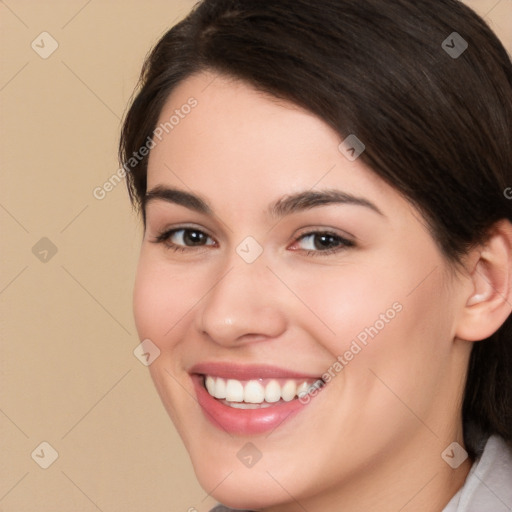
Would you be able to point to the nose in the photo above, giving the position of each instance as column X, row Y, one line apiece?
column 242, row 305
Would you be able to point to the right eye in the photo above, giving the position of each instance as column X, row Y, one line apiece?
column 182, row 239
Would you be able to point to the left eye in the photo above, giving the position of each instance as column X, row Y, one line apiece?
column 322, row 242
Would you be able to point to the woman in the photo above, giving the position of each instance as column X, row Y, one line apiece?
column 327, row 252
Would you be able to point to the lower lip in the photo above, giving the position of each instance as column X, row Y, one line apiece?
column 244, row 421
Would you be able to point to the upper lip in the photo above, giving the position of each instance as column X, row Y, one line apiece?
column 247, row 372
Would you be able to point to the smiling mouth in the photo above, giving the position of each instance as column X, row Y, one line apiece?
column 258, row 393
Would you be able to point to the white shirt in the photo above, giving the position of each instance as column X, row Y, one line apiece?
column 488, row 486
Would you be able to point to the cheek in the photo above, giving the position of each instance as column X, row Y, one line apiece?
column 347, row 302
column 148, row 299
column 387, row 314
column 405, row 347
column 162, row 297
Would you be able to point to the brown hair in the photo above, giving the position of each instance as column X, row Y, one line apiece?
column 435, row 118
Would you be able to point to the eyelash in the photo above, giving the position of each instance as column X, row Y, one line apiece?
column 163, row 238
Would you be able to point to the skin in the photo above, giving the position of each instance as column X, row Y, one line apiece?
column 372, row 438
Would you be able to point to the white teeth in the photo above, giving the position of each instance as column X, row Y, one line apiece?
column 243, row 405
column 234, row 391
column 210, row 385
column 220, row 389
column 273, row 392
column 254, row 393
column 302, row 389
column 289, row 390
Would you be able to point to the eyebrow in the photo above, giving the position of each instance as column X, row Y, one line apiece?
column 311, row 198
column 176, row 196
column 284, row 206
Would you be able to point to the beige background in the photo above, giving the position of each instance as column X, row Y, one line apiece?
column 68, row 375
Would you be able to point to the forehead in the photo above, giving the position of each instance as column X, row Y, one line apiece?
column 238, row 144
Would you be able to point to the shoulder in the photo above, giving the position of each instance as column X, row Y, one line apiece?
column 488, row 485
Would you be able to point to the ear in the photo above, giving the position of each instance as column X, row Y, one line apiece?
column 489, row 301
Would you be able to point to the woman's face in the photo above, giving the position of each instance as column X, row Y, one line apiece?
column 271, row 261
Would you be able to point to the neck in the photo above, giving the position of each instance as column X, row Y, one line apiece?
column 415, row 480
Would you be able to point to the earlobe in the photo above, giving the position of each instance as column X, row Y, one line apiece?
column 490, row 301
